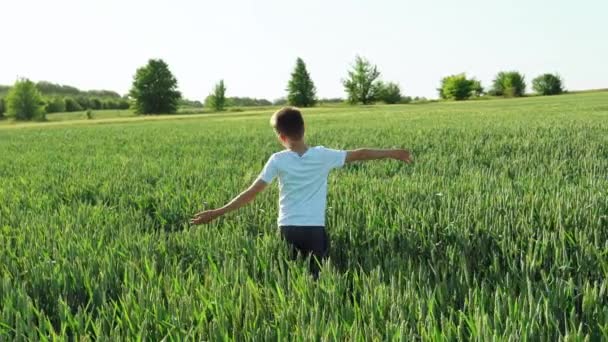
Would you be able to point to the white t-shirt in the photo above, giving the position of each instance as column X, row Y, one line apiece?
column 302, row 183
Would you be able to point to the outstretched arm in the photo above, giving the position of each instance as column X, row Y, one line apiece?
column 373, row 154
column 239, row 201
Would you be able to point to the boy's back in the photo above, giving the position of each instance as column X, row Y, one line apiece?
column 302, row 183
column 302, row 173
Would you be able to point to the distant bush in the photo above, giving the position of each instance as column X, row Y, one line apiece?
column 406, row 99
column 124, row 104
column 246, row 102
column 332, row 100
column 2, row 107
column 459, row 87
column 24, row 101
column 84, row 102
column 548, row 84
column 55, row 105
column 71, row 105
column 89, row 114
column 95, row 103
column 189, row 103
column 389, row 93
column 281, row 101
column 508, row 84
column 48, row 88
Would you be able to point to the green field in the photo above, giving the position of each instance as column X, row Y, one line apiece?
column 499, row 230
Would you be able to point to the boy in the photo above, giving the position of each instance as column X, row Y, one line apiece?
column 302, row 173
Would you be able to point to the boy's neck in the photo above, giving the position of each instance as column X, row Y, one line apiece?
column 299, row 146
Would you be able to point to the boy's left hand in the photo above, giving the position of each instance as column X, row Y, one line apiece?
column 205, row 217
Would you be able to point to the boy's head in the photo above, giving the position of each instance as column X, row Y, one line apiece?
column 289, row 124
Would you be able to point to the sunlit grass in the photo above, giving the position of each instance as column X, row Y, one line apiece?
column 498, row 230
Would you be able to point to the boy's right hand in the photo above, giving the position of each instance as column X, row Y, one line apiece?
column 205, row 217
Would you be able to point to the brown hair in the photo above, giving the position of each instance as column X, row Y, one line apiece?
column 289, row 122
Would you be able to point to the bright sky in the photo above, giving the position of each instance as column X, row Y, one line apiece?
column 253, row 44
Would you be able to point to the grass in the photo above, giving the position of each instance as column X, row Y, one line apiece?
column 498, row 231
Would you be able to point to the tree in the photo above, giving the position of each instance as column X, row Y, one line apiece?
column 55, row 105
column 71, row 105
column 389, row 93
column 362, row 83
column 95, row 103
column 24, row 101
column 459, row 87
column 246, row 102
column 155, row 89
column 2, row 107
column 548, row 84
column 509, row 84
column 281, row 101
column 301, row 91
column 217, row 100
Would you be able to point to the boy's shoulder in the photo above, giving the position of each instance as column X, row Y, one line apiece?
column 288, row 153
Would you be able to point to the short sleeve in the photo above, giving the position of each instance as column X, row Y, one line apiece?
column 334, row 158
column 269, row 172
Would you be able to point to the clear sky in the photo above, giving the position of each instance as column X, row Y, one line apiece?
column 253, row 44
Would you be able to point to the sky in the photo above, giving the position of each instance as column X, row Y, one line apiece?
column 253, row 45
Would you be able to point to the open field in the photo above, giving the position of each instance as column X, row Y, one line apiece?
column 498, row 230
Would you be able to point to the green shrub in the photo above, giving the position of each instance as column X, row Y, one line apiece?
column 71, row 105
column 55, row 105
column 2, row 107
column 389, row 93
column 459, row 87
column 548, row 84
column 95, row 103
column 24, row 101
column 509, row 84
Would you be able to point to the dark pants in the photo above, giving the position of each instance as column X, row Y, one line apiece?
column 307, row 241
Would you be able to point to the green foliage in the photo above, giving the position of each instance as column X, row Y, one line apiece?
column 301, row 91
column 189, row 103
column 497, row 232
column 24, row 101
column 217, row 100
column 548, row 84
column 71, row 105
column 4, row 90
column 459, row 87
column 281, row 101
column 389, row 93
column 96, row 104
column 55, row 104
column 123, row 103
column 333, row 100
column 48, row 88
column 362, row 82
column 84, row 102
column 155, row 89
column 2, row 106
column 89, row 114
column 247, row 102
column 509, row 84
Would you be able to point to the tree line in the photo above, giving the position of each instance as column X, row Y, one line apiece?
column 506, row 84
column 155, row 91
column 55, row 98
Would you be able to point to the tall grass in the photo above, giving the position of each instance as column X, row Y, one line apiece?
column 498, row 231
